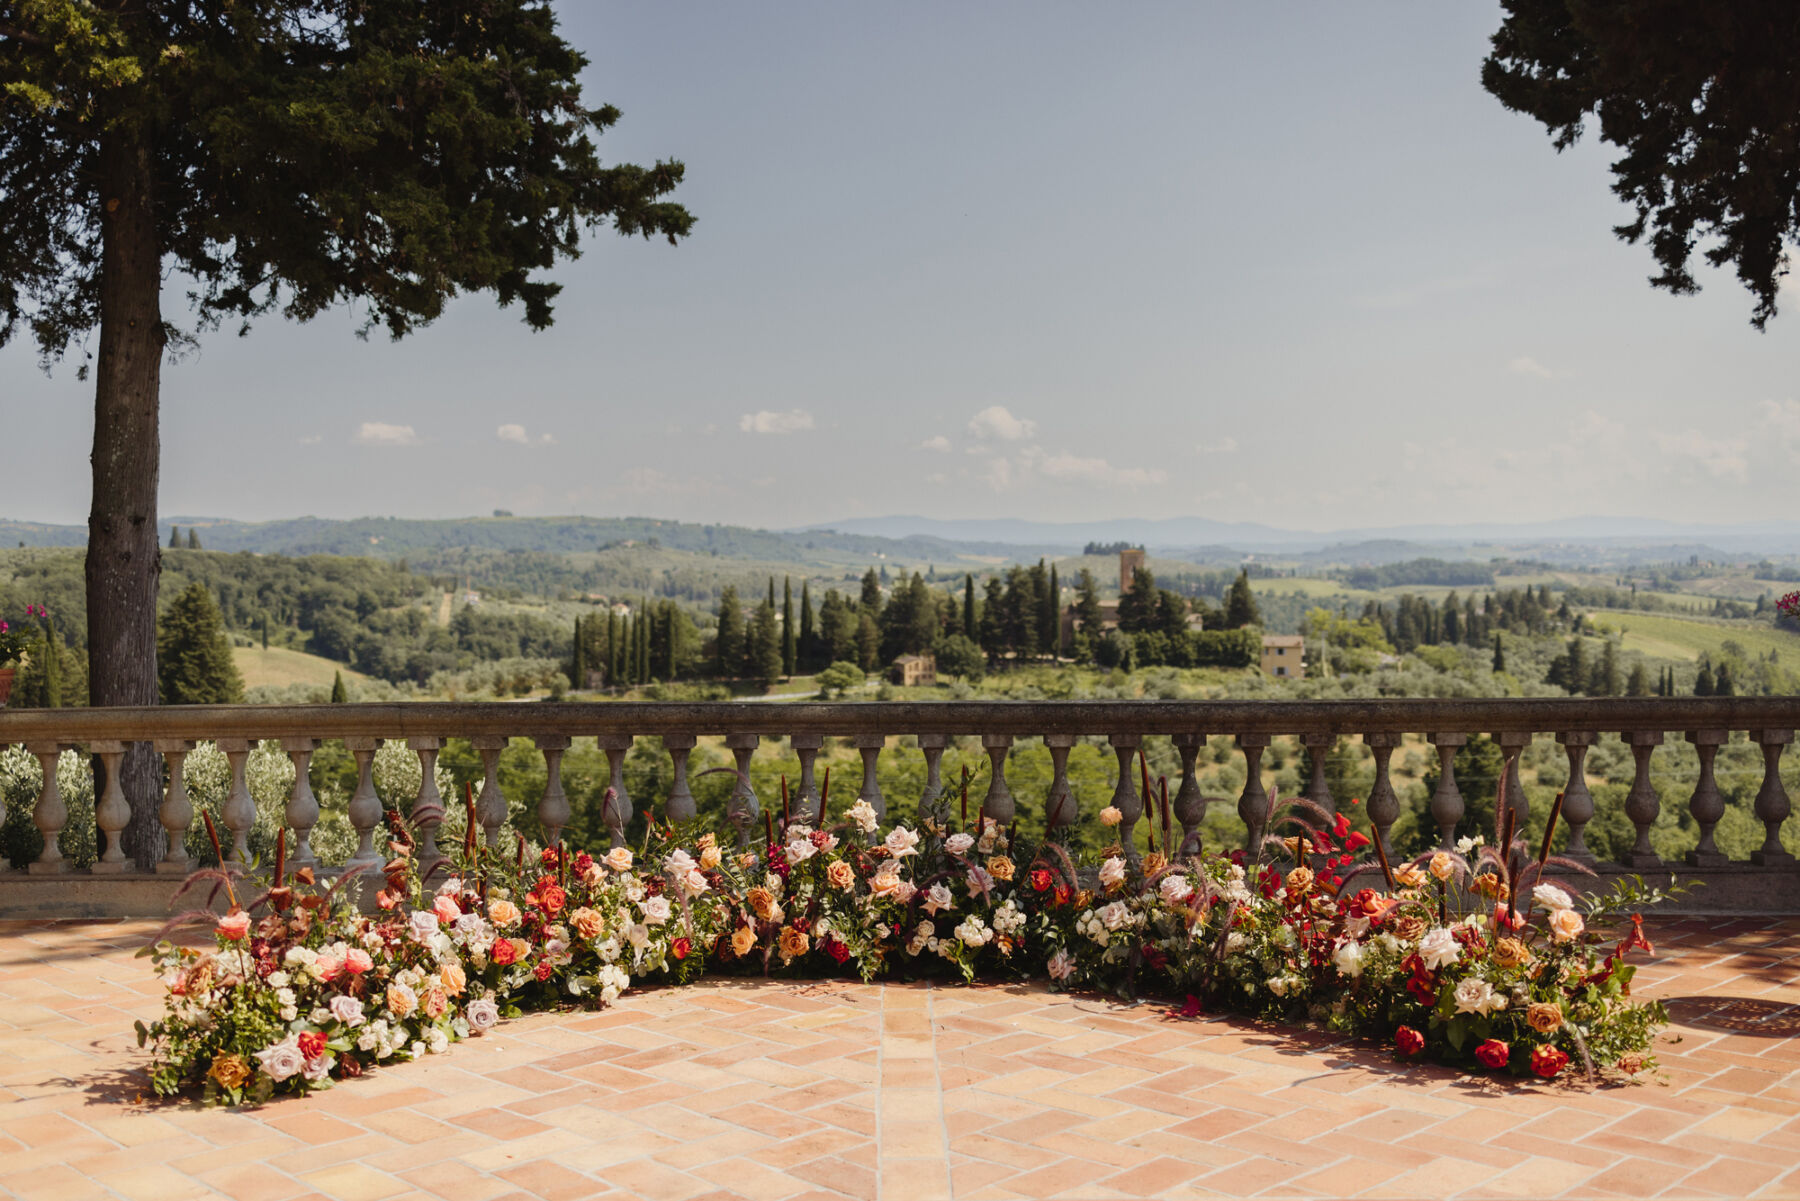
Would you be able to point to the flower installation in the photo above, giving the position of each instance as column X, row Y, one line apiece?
column 1469, row 958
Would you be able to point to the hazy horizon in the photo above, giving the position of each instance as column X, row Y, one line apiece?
column 1023, row 261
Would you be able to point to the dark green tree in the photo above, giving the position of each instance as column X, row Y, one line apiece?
column 809, row 649
column 281, row 155
column 871, row 592
column 1137, row 607
column 728, row 645
column 1637, row 683
column 957, row 655
column 1240, row 604
column 868, row 641
column 1722, row 683
column 1703, row 680
column 764, row 660
column 1606, row 672
column 790, row 633
column 193, row 655
column 1051, row 635
column 971, row 623
column 339, row 694
column 578, row 660
column 174, row 537
column 1699, row 97
column 1499, row 654
column 193, row 539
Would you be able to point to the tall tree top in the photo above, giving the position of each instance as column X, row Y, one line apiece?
column 304, row 153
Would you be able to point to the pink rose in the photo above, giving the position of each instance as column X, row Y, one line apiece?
column 234, row 925
column 357, row 961
column 446, row 909
column 330, row 967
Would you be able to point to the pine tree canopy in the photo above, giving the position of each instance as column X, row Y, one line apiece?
column 193, row 655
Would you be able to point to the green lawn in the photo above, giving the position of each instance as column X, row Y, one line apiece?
column 1677, row 638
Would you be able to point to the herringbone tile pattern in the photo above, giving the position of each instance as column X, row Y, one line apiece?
column 775, row 1090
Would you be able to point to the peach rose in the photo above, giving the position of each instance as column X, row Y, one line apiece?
column 1000, row 868
column 1510, row 952
column 840, row 876
column 453, row 978
column 435, row 1003
column 1566, row 924
column 619, row 859
column 229, row 1070
column 1409, row 875
column 793, row 943
column 503, row 913
column 234, row 925
column 1544, row 1017
column 446, row 909
column 357, row 961
column 742, row 939
column 1300, row 881
column 1442, row 866
column 589, row 923
column 401, row 1000
column 762, row 902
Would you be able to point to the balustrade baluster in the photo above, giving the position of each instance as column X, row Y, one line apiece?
column 806, row 746
column 1125, row 794
column 1188, row 804
column 553, row 806
column 1318, row 791
column 491, row 808
column 176, row 812
column 1707, row 805
column 933, row 808
column 1253, row 804
column 870, row 746
column 615, row 811
column 50, row 815
column 302, row 812
column 428, row 806
column 1578, row 802
column 1447, row 801
column 1641, row 803
column 742, row 808
column 1512, row 745
column 111, row 811
column 1059, row 807
column 681, row 806
column 1383, row 805
column 1772, row 799
column 998, row 805
column 239, row 810
column 365, row 803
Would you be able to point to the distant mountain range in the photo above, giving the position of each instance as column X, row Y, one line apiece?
column 1577, row 541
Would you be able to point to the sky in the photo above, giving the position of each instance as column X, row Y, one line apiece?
column 1044, row 260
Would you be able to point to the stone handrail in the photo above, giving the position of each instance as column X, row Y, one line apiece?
column 1576, row 723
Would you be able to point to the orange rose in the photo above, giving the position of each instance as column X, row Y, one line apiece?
column 762, row 902
column 793, row 943
column 1544, row 1017
column 1000, row 868
column 589, row 923
column 453, row 978
column 230, row 1071
column 1566, row 924
column 742, row 939
column 840, row 876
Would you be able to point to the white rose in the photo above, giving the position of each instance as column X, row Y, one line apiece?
column 1552, row 898
column 283, row 1059
column 656, row 910
column 1348, row 958
column 1176, row 889
column 1439, row 948
column 863, row 814
column 1061, row 965
column 347, row 1010
column 1112, row 872
column 902, row 842
column 938, row 898
column 959, row 844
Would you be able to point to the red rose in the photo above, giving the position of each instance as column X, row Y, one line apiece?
column 1041, row 880
column 548, row 896
column 542, row 970
column 502, row 952
column 550, row 857
column 680, row 948
column 1494, row 1053
column 1422, row 991
column 837, row 950
column 583, row 861
column 312, row 1044
column 1064, row 894
column 1408, row 1042
column 1547, row 1061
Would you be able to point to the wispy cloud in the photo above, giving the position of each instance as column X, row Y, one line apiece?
column 380, row 433
column 1078, row 469
column 996, row 422
column 516, row 433
column 936, row 442
column 1722, row 457
column 767, row 421
column 1224, row 446
column 1526, row 365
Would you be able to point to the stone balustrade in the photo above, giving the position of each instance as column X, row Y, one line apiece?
column 1768, row 882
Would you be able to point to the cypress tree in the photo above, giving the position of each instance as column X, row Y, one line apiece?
column 1240, row 604
column 52, row 666
column 1499, row 654
column 1723, row 685
column 339, row 694
column 807, row 652
column 174, row 537
column 728, row 647
column 871, row 592
column 612, row 647
column 193, row 656
column 790, row 637
column 1703, row 680
column 1050, row 636
column 193, row 539
column 265, row 631
column 644, row 643
column 764, row 659
column 971, row 630
column 579, row 658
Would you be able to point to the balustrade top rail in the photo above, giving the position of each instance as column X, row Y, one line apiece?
column 869, row 718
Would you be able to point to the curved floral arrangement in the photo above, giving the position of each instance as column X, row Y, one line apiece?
column 1476, row 962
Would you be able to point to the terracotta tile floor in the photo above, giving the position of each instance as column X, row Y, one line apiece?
column 773, row 1090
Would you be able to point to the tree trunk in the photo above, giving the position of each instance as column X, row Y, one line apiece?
column 124, row 559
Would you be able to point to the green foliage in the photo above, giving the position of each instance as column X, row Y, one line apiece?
column 1240, row 604
column 193, row 656
column 959, row 656
column 838, row 678
column 1699, row 98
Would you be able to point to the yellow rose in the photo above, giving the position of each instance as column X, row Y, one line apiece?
column 1544, row 1017
column 230, row 1071
column 1510, row 952
column 709, row 859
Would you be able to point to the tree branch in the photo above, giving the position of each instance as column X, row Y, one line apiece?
column 23, row 35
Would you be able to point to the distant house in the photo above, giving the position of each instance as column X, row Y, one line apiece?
column 1284, row 655
column 1071, row 621
column 914, row 671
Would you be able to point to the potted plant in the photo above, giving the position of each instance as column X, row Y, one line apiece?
column 15, row 640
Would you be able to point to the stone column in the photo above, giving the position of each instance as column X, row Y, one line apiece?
column 553, row 806
column 1189, row 805
column 1707, row 804
column 1772, row 806
column 681, row 806
column 111, row 810
column 1059, row 807
column 1383, row 805
column 365, row 803
column 1125, row 794
column 1578, row 802
column 1253, row 805
column 1641, row 803
column 615, row 813
column 177, row 811
column 239, row 810
column 303, row 807
column 50, row 815
column 742, row 808
column 1447, row 801
column 998, row 805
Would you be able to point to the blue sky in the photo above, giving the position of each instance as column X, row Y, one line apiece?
column 1055, row 261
